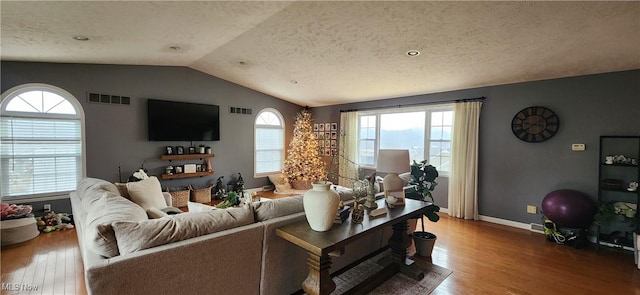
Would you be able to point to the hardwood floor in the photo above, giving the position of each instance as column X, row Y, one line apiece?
column 485, row 258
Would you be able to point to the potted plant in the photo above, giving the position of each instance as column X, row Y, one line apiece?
column 423, row 181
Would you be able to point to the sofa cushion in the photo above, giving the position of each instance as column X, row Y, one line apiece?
column 108, row 207
column 134, row 236
column 270, row 209
column 89, row 189
column 147, row 193
column 122, row 188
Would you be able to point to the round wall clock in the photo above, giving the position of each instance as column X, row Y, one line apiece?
column 535, row 124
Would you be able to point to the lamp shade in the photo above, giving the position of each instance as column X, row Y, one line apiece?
column 393, row 161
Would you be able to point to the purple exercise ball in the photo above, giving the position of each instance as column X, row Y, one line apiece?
column 569, row 208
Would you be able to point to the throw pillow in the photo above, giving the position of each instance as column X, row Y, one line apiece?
column 198, row 207
column 147, row 193
column 276, row 208
column 279, row 182
column 135, row 236
column 108, row 207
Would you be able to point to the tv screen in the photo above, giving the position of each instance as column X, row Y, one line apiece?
column 182, row 121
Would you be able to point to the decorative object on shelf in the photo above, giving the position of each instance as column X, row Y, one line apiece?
column 357, row 215
column 179, row 198
column 620, row 160
column 320, row 206
column 303, row 165
column 177, row 169
column 209, row 166
column 393, row 162
column 633, row 186
column 535, row 124
column 615, row 184
column 168, row 170
column 179, row 150
column 423, row 178
column 201, row 149
column 189, row 168
column 192, row 150
column 168, row 150
column 208, row 150
column 202, row 195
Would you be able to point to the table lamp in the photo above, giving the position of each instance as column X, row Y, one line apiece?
column 393, row 162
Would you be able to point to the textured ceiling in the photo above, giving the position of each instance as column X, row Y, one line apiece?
column 323, row 53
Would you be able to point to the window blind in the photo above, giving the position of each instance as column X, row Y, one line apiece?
column 39, row 156
column 269, row 149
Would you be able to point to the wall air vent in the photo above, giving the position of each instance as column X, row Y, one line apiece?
column 108, row 98
column 239, row 110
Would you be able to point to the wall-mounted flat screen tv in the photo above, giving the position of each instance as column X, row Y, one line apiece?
column 182, row 121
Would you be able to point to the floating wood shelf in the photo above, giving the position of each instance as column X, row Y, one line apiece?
column 186, row 175
column 186, row 157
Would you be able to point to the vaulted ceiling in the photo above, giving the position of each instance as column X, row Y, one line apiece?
column 320, row 53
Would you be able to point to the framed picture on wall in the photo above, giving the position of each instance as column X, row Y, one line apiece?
column 334, row 134
column 334, row 143
column 320, row 127
column 315, row 127
column 334, row 126
column 327, row 151
column 334, row 152
column 327, row 126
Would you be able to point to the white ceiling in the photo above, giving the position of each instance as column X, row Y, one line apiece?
column 324, row 53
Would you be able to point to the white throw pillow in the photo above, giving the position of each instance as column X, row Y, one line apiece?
column 279, row 182
column 147, row 193
column 197, row 207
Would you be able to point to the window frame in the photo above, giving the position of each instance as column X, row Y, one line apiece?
column 282, row 127
column 428, row 109
column 13, row 92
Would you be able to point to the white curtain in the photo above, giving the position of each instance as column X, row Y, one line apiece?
column 463, row 177
column 348, row 148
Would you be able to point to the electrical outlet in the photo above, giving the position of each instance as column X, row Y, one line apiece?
column 532, row 209
column 47, row 207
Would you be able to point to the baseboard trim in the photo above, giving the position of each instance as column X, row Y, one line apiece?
column 511, row 223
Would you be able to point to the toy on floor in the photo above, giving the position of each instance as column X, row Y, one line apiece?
column 52, row 222
column 13, row 211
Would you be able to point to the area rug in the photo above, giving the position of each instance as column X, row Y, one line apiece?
column 399, row 284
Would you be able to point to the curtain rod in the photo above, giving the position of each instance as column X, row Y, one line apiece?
column 416, row 104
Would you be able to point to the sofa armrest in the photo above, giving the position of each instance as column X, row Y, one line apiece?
column 167, row 199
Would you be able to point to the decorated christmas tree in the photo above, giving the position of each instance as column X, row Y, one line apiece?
column 303, row 164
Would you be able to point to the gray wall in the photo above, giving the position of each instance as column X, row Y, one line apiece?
column 513, row 173
column 116, row 135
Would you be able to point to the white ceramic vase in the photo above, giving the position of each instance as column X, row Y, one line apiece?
column 321, row 205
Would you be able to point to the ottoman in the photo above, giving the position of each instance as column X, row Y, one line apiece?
column 18, row 230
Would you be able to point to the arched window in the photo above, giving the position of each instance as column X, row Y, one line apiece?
column 41, row 142
column 269, row 143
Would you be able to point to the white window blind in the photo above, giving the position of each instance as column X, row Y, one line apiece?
column 269, row 142
column 39, row 156
column 40, row 143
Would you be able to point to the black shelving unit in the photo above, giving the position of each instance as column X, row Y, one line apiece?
column 613, row 183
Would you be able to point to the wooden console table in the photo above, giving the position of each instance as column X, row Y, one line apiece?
column 320, row 244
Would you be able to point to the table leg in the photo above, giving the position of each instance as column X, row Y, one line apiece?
column 319, row 281
column 399, row 242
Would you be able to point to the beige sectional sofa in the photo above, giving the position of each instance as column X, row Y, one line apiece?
column 209, row 252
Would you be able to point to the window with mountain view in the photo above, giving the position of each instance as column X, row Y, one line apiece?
column 425, row 132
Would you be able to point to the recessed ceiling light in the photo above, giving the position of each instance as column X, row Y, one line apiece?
column 81, row 38
column 413, row 52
